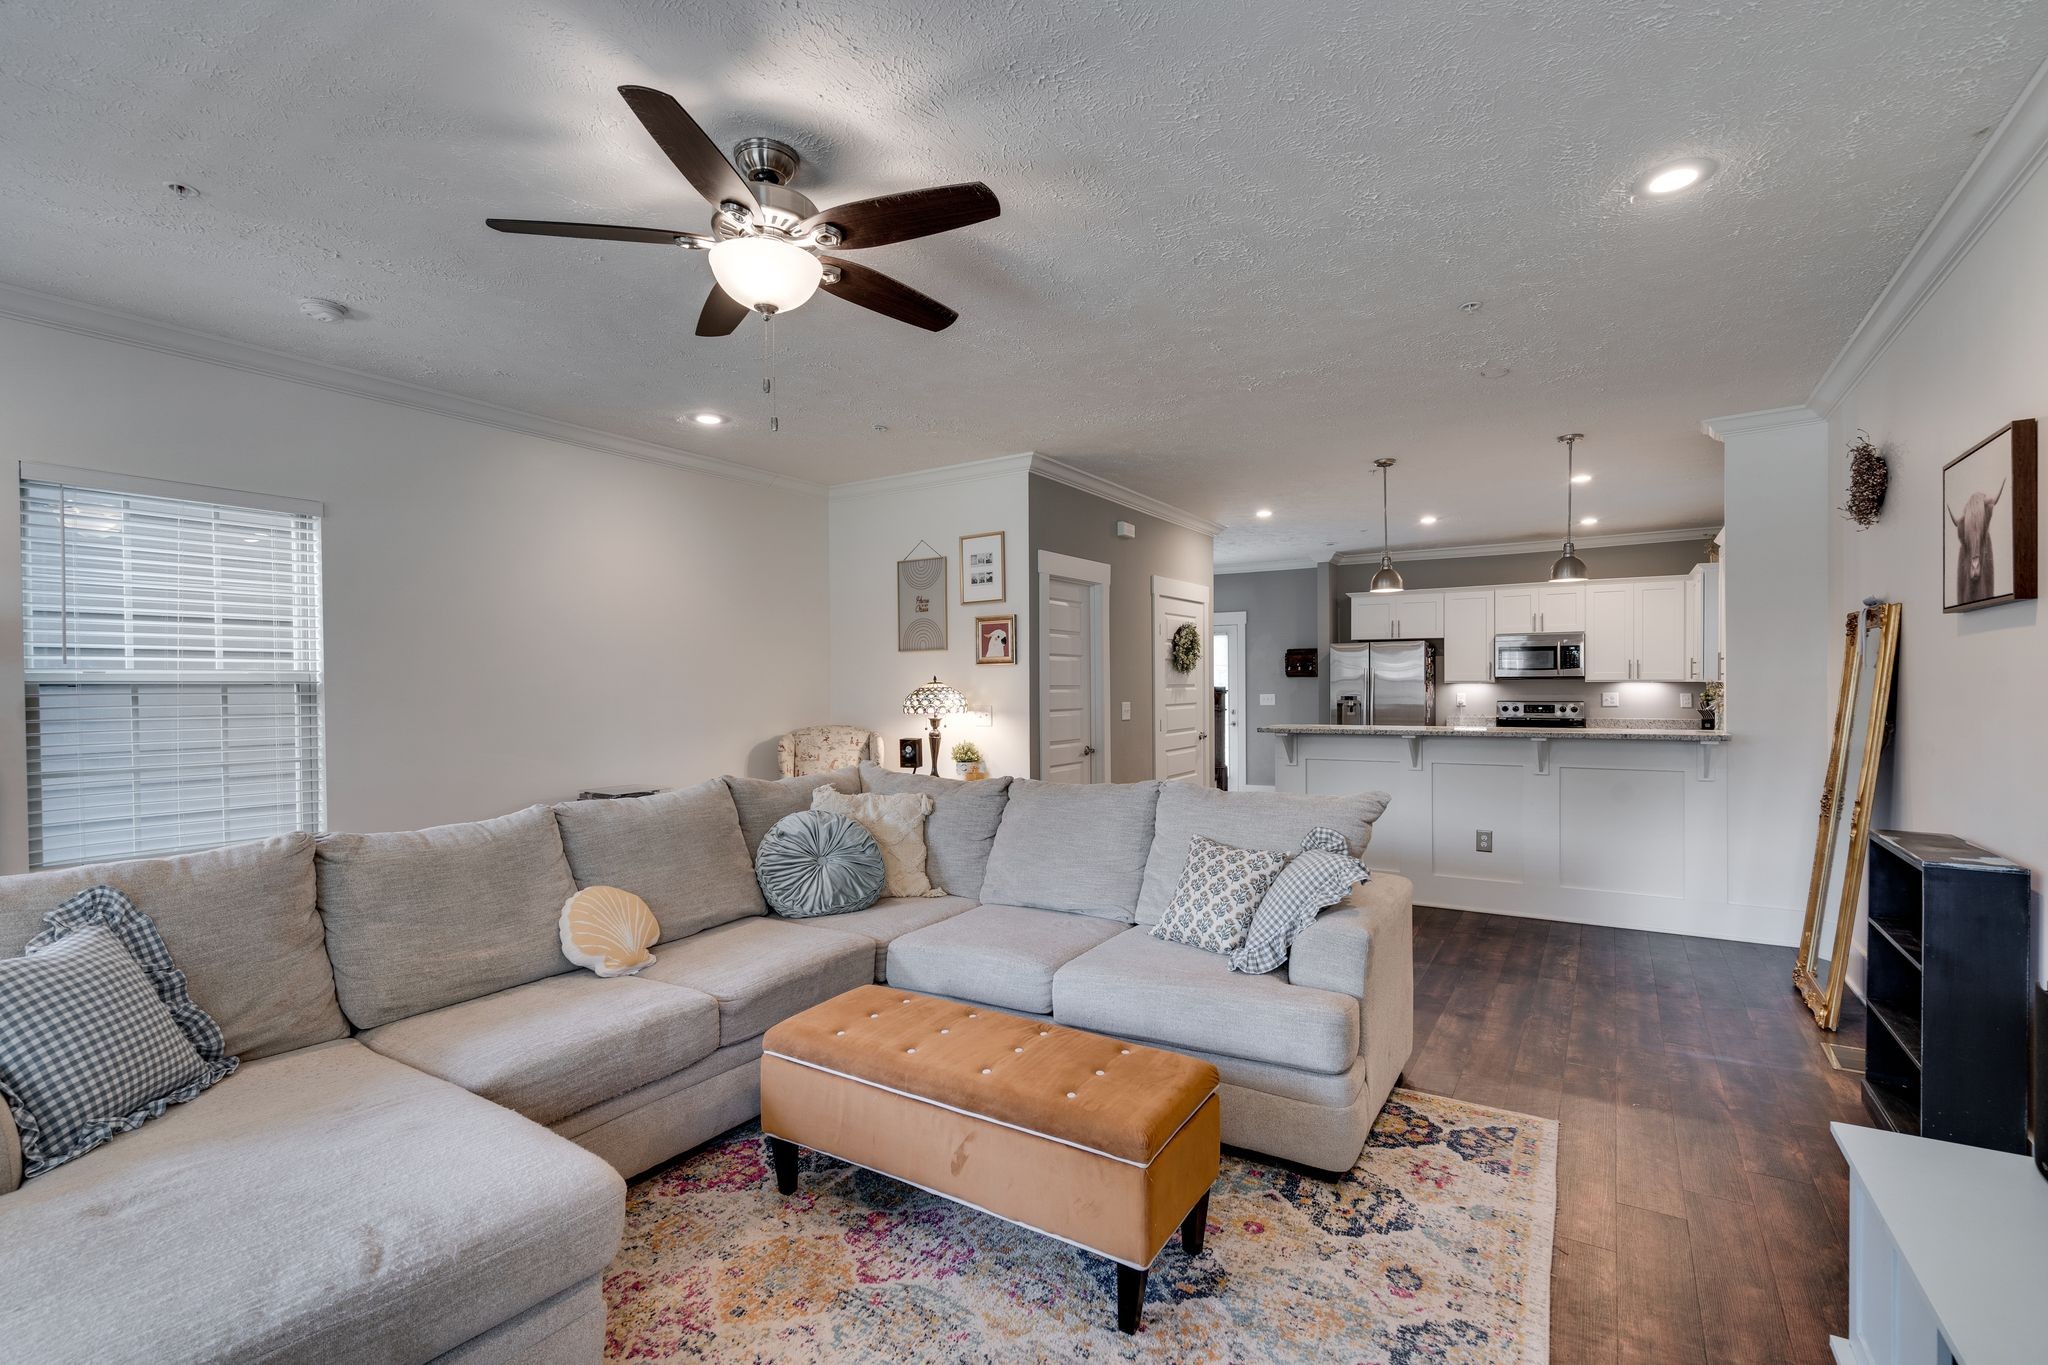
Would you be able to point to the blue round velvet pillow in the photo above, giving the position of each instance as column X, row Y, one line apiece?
column 817, row 863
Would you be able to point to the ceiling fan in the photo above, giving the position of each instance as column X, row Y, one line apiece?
column 767, row 243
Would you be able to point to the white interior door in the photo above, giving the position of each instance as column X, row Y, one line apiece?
column 1073, row 664
column 1182, row 703
column 1228, row 656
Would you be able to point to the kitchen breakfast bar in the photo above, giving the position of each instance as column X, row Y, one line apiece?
column 1623, row 825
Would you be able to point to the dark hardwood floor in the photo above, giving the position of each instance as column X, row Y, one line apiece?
column 1702, row 1209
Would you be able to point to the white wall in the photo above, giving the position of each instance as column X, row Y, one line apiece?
column 1970, row 756
column 873, row 525
column 508, row 618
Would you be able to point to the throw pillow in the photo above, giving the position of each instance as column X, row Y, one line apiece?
column 1219, row 892
column 608, row 931
column 816, row 862
column 1320, row 876
column 97, row 1032
column 897, row 823
column 762, row 801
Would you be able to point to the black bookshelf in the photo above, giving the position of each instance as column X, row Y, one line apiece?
column 1948, row 991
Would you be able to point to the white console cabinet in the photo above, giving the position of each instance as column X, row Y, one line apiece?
column 1948, row 1253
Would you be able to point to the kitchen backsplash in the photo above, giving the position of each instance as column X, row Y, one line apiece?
column 1639, row 700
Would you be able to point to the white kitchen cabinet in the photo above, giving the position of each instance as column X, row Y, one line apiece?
column 1560, row 607
column 1636, row 631
column 1703, row 623
column 1468, row 636
column 1514, row 610
column 1397, row 615
column 1610, row 631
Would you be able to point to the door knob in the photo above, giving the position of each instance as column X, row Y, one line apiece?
column 1088, row 750
column 1203, row 735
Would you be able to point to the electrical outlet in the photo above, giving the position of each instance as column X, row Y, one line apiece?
column 1684, row 699
column 1461, row 696
column 1265, row 699
column 1482, row 840
column 1606, row 699
column 1127, row 710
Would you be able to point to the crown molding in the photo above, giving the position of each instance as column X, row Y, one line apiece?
column 47, row 310
column 1061, row 472
column 1266, row 566
column 1526, row 547
column 970, row 472
column 1751, row 423
column 2009, row 157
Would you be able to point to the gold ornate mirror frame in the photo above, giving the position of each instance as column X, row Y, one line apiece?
column 1871, row 638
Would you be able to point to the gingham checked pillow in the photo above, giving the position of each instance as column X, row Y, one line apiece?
column 1315, row 879
column 1218, row 893
column 97, row 1033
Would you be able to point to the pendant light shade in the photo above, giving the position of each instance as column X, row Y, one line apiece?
column 1388, row 579
column 1569, row 568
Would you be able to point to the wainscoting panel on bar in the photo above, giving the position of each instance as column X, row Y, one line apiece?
column 1621, row 829
column 1466, row 798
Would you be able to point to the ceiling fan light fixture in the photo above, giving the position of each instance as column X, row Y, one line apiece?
column 766, row 274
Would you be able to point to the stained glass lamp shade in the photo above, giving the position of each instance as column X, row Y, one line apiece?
column 934, row 700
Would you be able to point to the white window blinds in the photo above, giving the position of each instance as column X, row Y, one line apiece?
column 172, row 658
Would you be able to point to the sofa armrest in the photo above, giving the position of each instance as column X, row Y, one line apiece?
column 10, row 1153
column 1365, row 948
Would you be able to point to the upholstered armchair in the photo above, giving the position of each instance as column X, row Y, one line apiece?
column 821, row 748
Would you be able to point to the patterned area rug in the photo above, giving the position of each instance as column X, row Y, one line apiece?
column 1434, row 1250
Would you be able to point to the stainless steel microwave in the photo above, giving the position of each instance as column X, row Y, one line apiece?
column 1559, row 654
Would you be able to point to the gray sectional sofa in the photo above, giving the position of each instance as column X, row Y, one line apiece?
column 421, row 1157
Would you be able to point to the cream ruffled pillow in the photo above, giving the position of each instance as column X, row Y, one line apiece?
column 897, row 822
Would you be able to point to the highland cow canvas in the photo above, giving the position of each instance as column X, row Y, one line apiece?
column 1988, row 521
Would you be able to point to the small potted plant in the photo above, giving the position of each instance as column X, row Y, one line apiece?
column 967, row 761
column 1710, row 706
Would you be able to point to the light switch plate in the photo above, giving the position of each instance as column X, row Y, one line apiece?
column 979, row 719
column 1265, row 698
column 1610, row 698
column 1127, row 710
column 1685, row 699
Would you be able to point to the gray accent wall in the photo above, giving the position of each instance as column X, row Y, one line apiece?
column 1604, row 561
column 1280, row 614
column 1069, row 521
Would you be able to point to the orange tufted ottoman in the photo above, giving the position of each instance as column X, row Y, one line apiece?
column 1103, row 1144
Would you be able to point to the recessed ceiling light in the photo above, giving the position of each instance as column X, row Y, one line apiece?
column 1674, row 176
column 1582, row 478
column 1589, row 521
column 1263, row 513
column 703, row 419
column 323, row 310
column 1429, row 521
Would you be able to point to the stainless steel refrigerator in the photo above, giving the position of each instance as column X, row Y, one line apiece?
column 1392, row 681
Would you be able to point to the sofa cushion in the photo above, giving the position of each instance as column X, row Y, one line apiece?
column 326, row 1206
column 682, row 852
column 1065, row 847
column 552, row 1048
column 240, row 923
column 761, row 971
column 432, row 917
column 1136, row 986
column 1269, row 820
column 961, row 828
column 761, row 801
column 1000, row 955
column 890, row 918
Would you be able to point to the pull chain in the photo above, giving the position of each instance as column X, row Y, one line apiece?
column 768, row 366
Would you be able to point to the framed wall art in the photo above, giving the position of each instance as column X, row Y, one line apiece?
column 982, row 572
column 995, row 639
column 921, row 603
column 1989, row 535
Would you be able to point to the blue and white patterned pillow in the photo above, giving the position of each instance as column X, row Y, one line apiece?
column 1318, row 877
column 1219, row 891
column 97, row 1032
column 819, row 862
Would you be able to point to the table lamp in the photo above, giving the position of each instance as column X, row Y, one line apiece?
column 933, row 700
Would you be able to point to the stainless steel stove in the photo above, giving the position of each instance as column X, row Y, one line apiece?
column 1540, row 715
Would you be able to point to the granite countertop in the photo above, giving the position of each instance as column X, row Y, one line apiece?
column 1613, row 730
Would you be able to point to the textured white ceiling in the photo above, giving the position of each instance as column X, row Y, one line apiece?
column 1233, row 244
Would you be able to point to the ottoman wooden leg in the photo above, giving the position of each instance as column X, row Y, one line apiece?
column 1130, row 1296
column 1195, row 1227
column 784, row 1154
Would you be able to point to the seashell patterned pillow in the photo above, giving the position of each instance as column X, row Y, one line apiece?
column 608, row 931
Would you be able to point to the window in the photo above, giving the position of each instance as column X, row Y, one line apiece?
column 171, row 647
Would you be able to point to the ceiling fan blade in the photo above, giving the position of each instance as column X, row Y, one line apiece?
column 889, row 297
column 913, row 213
column 602, row 232
column 722, row 313
column 693, row 151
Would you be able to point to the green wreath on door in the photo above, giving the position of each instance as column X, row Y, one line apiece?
column 1185, row 649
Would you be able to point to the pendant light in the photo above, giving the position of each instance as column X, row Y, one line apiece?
column 1388, row 579
column 1569, row 568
